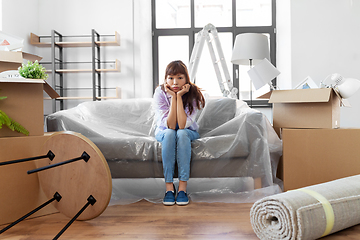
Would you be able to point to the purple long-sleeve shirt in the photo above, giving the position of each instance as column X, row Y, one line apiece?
column 161, row 107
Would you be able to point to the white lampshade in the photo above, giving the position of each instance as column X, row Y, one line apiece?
column 248, row 46
column 332, row 80
column 262, row 73
column 346, row 87
column 349, row 87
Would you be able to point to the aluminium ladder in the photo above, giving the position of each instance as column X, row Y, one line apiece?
column 203, row 35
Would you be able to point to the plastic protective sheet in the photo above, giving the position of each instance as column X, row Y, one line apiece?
column 236, row 145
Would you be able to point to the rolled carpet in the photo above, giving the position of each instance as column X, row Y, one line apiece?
column 308, row 213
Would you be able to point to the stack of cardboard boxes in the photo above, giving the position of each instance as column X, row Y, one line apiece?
column 315, row 149
column 20, row 192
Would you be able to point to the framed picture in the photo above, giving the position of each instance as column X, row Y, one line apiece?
column 306, row 83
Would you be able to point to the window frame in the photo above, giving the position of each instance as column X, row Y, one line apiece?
column 190, row 32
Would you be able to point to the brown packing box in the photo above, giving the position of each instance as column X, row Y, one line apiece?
column 305, row 108
column 314, row 156
column 24, row 102
column 21, row 192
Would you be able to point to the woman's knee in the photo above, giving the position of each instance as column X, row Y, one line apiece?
column 169, row 133
column 182, row 134
column 166, row 135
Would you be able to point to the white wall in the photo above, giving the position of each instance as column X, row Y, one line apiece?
column 70, row 17
column 0, row 17
column 19, row 17
column 323, row 37
column 283, row 44
column 143, row 49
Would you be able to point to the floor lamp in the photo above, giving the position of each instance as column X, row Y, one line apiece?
column 250, row 48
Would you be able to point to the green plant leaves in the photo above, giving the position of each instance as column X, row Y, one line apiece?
column 33, row 71
column 11, row 124
column 5, row 120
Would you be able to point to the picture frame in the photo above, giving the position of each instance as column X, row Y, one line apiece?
column 306, row 84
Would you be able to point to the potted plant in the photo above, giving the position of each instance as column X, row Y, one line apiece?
column 33, row 70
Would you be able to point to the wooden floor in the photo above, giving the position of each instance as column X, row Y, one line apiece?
column 144, row 220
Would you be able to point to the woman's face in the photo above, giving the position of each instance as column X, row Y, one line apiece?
column 175, row 82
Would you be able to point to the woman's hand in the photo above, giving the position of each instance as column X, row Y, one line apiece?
column 184, row 89
column 168, row 90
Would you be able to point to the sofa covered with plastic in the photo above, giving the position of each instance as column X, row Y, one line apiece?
column 235, row 141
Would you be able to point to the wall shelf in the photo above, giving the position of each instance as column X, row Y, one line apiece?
column 79, row 98
column 57, row 62
column 117, row 96
column 35, row 40
column 116, row 69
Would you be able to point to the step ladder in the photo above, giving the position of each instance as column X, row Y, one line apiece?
column 205, row 34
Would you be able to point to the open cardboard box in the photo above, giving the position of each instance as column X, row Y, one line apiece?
column 305, row 108
column 24, row 102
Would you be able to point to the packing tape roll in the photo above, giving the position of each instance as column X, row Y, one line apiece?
column 329, row 212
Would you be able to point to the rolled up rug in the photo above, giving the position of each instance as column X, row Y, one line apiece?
column 308, row 213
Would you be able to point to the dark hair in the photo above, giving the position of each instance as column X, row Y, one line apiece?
column 194, row 93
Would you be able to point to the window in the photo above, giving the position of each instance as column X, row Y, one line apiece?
column 217, row 12
column 168, row 53
column 175, row 24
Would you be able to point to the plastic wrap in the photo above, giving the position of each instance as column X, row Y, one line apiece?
column 236, row 145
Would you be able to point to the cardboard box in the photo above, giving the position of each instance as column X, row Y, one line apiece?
column 13, row 60
column 314, row 156
column 21, row 192
column 305, row 108
column 24, row 104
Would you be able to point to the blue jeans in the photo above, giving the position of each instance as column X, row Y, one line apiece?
column 176, row 145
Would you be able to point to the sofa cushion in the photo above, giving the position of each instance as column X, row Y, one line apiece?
column 215, row 113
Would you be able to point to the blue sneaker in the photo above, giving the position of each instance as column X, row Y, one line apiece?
column 182, row 198
column 169, row 198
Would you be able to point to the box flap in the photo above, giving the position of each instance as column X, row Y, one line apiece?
column 47, row 88
column 31, row 57
column 50, row 91
column 344, row 102
column 300, row 95
column 265, row 96
column 12, row 57
column 17, row 57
